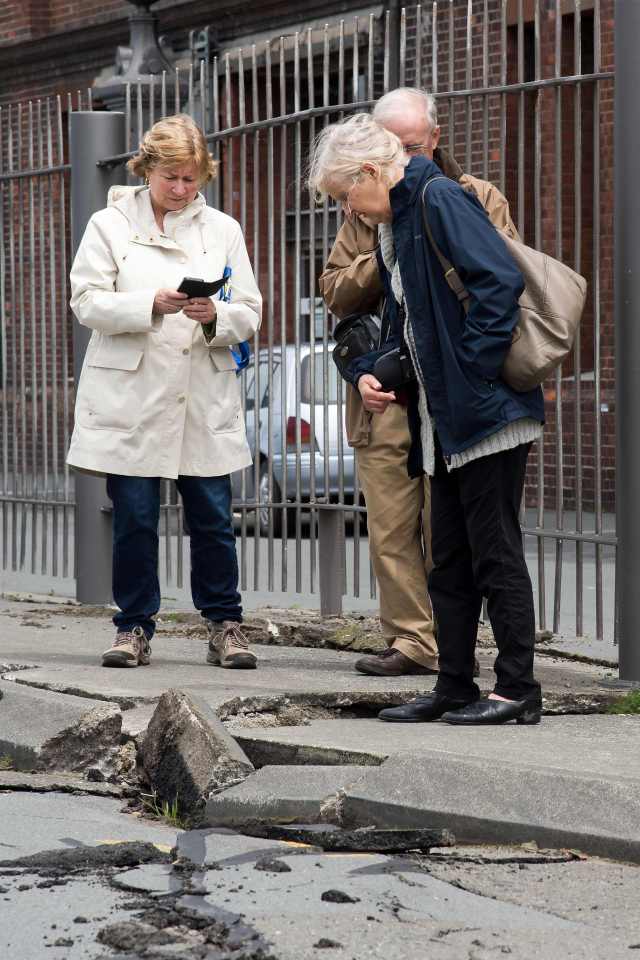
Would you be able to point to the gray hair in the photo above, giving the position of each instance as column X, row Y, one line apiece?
column 413, row 98
column 340, row 150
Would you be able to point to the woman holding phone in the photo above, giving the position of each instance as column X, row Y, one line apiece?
column 158, row 395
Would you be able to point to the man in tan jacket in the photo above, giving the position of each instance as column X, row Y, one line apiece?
column 398, row 507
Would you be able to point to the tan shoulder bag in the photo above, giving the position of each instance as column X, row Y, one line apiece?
column 551, row 307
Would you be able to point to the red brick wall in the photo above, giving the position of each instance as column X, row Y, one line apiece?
column 64, row 14
column 22, row 20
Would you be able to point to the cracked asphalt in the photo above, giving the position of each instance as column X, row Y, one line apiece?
column 255, row 899
column 82, row 878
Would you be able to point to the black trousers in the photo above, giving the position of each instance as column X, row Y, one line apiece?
column 477, row 551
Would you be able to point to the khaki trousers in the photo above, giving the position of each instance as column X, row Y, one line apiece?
column 398, row 516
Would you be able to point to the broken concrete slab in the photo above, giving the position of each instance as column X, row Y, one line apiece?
column 187, row 754
column 273, row 795
column 70, row 662
column 46, row 731
column 502, row 803
column 580, row 744
column 359, row 840
column 17, row 781
column 512, row 768
column 32, row 822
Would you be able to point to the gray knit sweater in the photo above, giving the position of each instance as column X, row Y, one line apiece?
column 515, row 433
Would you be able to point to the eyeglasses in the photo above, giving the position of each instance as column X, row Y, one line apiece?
column 346, row 203
column 413, row 149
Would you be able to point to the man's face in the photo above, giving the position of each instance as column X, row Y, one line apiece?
column 418, row 138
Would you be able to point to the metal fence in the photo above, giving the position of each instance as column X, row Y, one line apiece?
column 36, row 370
column 522, row 97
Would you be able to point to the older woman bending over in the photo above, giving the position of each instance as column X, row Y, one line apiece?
column 158, row 395
column 474, row 431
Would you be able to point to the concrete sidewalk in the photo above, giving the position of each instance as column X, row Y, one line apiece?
column 574, row 780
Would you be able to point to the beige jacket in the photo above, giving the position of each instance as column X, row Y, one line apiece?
column 351, row 281
column 154, row 398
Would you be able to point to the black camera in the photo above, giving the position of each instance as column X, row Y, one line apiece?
column 394, row 369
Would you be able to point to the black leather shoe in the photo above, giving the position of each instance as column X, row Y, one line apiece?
column 422, row 709
column 496, row 711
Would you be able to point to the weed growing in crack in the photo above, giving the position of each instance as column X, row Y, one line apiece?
column 630, row 703
column 165, row 810
column 6, row 763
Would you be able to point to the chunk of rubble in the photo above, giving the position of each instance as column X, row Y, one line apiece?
column 272, row 865
column 338, row 896
column 91, row 743
column 361, row 840
column 47, row 731
column 187, row 754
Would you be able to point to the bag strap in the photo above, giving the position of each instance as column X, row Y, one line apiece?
column 451, row 275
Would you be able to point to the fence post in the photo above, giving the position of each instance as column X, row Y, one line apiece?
column 93, row 136
column 331, row 553
column 395, row 19
column 627, row 310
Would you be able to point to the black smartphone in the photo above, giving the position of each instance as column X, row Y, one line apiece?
column 195, row 287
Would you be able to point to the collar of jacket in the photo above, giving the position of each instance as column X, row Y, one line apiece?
column 134, row 203
column 416, row 174
column 448, row 164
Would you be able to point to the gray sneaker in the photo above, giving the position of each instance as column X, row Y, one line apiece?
column 228, row 646
column 131, row 648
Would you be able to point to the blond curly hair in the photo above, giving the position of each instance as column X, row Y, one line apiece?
column 174, row 141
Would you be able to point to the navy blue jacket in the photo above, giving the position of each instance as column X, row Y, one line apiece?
column 460, row 356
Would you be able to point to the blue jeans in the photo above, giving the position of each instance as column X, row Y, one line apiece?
column 214, row 564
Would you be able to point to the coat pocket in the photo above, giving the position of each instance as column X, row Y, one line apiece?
column 120, row 352
column 224, row 412
column 221, row 358
column 107, row 399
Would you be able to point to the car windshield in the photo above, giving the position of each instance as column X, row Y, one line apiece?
column 319, row 388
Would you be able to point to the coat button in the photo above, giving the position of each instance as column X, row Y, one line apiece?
column 181, row 398
column 186, row 351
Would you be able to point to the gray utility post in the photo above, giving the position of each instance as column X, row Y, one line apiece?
column 93, row 137
column 627, row 299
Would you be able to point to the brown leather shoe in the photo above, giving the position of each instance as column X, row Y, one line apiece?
column 390, row 663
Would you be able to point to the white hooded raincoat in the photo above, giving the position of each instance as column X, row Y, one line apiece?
column 154, row 398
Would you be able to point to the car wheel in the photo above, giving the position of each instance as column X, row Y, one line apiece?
column 263, row 499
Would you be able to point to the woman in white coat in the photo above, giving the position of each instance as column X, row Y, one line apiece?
column 158, row 395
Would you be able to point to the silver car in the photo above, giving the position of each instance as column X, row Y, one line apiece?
column 298, row 440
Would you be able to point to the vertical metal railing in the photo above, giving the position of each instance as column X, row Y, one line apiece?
column 515, row 106
column 36, row 369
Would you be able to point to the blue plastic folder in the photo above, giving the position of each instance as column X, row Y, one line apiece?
column 242, row 351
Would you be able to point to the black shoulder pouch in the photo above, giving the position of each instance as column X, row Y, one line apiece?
column 355, row 336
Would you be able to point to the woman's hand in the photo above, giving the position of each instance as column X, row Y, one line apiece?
column 200, row 309
column 373, row 399
column 169, row 301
